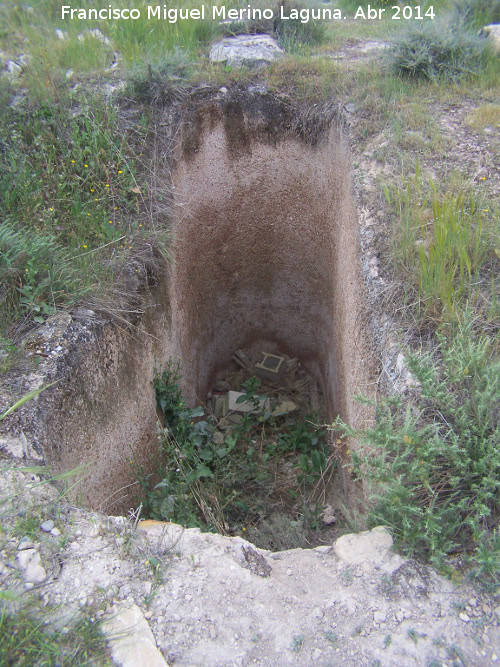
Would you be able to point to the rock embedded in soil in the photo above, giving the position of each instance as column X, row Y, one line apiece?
column 247, row 50
column 30, row 563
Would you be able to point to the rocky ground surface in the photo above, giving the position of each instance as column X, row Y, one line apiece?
column 182, row 597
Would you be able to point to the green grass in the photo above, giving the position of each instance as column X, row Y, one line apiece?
column 444, row 245
column 132, row 38
column 476, row 13
column 72, row 208
column 435, row 51
column 26, row 639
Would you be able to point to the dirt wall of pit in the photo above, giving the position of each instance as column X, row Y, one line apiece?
column 266, row 248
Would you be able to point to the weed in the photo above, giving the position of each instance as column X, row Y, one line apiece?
column 161, row 80
column 297, row 643
column 442, row 244
column 66, row 186
column 346, row 576
column 387, row 641
column 455, row 653
column 331, row 637
column 243, row 480
column 414, row 635
column 436, row 468
column 476, row 13
column 293, row 32
column 357, row 631
column 436, row 52
column 25, row 639
column 484, row 116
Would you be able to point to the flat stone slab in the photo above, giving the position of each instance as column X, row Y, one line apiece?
column 248, row 50
column 371, row 546
column 131, row 641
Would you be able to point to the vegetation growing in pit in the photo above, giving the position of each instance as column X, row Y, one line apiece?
column 263, row 478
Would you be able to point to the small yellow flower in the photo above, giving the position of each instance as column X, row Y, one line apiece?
column 72, row 162
column 85, row 165
column 50, row 208
column 120, row 172
column 95, row 198
column 84, row 246
column 25, row 269
column 88, row 213
column 91, row 189
column 116, row 208
column 119, row 222
column 110, row 222
column 107, row 185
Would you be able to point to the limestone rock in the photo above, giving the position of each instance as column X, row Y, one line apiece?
column 31, row 566
column 14, row 70
column 369, row 546
column 131, row 640
column 249, row 50
column 493, row 32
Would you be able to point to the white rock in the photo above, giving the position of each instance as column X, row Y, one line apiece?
column 493, row 32
column 249, row 50
column 464, row 617
column 31, row 566
column 61, row 35
column 14, row 70
column 131, row 641
column 379, row 617
column 370, row 545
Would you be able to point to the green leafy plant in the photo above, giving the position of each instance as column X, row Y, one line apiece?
column 228, row 482
column 434, row 472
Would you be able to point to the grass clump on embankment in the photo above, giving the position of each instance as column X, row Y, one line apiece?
column 438, row 51
column 68, row 192
column 434, row 466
